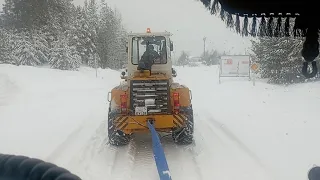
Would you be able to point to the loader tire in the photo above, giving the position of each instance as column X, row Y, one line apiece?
column 116, row 137
column 184, row 136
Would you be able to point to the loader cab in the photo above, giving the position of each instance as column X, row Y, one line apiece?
column 161, row 45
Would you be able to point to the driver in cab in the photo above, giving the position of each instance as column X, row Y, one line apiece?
column 148, row 58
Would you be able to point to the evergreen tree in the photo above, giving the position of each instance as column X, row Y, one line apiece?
column 35, row 14
column 183, row 59
column 36, row 31
column 210, row 58
column 111, row 42
column 63, row 56
column 88, row 32
column 6, row 50
column 28, row 50
column 78, row 35
column 280, row 59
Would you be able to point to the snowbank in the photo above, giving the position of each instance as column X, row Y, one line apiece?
column 276, row 124
column 241, row 131
column 42, row 108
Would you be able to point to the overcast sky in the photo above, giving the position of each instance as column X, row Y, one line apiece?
column 186, row 19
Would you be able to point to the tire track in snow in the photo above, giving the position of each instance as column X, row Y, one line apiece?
column 209, row 157
column 181, row 160
column 237, row 141
column 204, row 151
column 182, row 163
column 74, row 141
column 58, row 152
column 251, row 164
column 234, row 139
column 123, row 161
column 96, row 158
column 144, row 166
column 99, row 160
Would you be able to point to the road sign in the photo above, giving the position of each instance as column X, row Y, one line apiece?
column 254, row 67
column 234, row 66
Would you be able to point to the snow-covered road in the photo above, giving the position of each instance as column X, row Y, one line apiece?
column 242, row 132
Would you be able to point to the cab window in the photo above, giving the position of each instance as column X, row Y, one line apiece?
column 140, row 44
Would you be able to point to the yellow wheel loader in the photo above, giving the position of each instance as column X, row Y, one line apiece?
column 149, row 95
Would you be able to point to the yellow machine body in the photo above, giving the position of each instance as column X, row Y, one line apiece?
column 149, row 95
column 129, row 123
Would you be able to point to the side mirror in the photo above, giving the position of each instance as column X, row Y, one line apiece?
column 171, row 46
column 174, row 73
column 123, row 74
column 109, row 96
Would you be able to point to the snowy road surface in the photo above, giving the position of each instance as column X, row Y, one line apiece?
column 242, row 132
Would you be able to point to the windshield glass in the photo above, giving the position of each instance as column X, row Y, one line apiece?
column 155, row 44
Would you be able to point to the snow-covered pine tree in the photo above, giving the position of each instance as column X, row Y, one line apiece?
column 6, row 50
column 93, row 60
column 78, row 34
column 63, row 56
column 84, row 34
column 121, row 41
column 103, row 35
column 8, row 19
column 261, row 48
column 35, row 14
column 210, row 58
column 59, row 15
column 93, row 27
column 28, row 50
column 111, row 38
column 183, row 59
column 41, row 45
column 280, row 59
column 38, row 27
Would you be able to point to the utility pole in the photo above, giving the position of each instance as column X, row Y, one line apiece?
column 95, row 64
column 204, row 46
